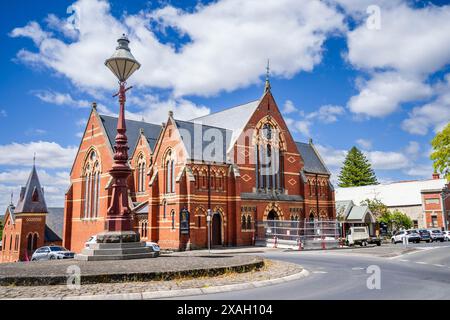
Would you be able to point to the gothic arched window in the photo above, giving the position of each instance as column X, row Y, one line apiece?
column 91, row 186
column 170, row 172
column 141, row 165
column 269, row 157
column 172, row 214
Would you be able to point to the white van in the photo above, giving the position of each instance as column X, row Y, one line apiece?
column 357, row 235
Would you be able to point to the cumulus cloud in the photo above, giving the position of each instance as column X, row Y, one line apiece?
column 384, row 92
column 289, row 107
column 433, row 115
column 227, row 54
column 399, row 59
column 61, row 99
column 364, row 143
column 326, row 114
column 48, row 154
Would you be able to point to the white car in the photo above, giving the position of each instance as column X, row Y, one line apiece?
column 154, row 246
column 52, row 253
column 411, row 235
column 92, row 239
column 446, row 235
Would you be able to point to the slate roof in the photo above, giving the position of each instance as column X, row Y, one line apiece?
column 199, row 141
column 312, row 160
column 54, row 224
column 26, row 203
column 270, row 196
column 233, row 119
column 151, row 131
column 396, row 194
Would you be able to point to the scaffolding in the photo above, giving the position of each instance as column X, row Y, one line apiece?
column 299, row 234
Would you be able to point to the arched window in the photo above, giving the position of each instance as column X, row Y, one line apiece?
column 10, row 243
column 91, row 186
column 141, row 165
column 16, row 243
column 243, row 222
column 269, row 158
column 170, row 172
column 172, row 214
column 35, row 240
column 30, row 242
column 249, row 222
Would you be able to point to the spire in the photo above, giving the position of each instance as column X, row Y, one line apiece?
column 34, row 159
column 32, row 195
column 12, row 196
column 267, row 85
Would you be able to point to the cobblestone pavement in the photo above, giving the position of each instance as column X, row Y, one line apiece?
column 271, row 270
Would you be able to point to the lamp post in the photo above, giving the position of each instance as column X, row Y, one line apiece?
column 123, row 65
column 208, row 221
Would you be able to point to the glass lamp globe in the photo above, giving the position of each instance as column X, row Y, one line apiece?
column 122, row 63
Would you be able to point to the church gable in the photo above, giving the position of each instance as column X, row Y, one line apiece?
column 94, row 139
column 31, row 198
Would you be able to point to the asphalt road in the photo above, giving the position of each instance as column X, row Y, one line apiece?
column 422, row 274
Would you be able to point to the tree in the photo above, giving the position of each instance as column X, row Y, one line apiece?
column 356, row 170
column 441, row 151
column 396, row 220
column 377, row 207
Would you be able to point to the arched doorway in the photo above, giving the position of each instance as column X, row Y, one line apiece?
column 272, row 215
column 216, row 238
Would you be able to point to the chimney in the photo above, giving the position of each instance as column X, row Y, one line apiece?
column 436, row 176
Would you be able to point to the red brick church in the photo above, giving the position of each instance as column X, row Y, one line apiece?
column 242, row 163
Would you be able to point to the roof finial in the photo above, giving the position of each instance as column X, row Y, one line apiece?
column 12, row 196
column 34, row 159
column 267, row 86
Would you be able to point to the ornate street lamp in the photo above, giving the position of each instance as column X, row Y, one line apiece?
column 123, row 65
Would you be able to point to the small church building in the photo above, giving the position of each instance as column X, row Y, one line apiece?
column 30, row 224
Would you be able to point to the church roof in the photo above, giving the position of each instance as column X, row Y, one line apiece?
column 54, row 224
column 233, row 119
column 203, row 149
column 31, row 198
column 151, row 131
column 313, row 162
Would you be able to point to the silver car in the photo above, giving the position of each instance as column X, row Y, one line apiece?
column 52, row 253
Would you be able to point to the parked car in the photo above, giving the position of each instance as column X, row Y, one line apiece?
column 52, row 253
column 92, row 239
column 437, row 235
column 411, row 235
column 154, row 246
column 446, row 235
column 424, row 234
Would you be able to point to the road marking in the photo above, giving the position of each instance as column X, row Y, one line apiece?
column 357, row 268
column 438, row 265
column 421, row 262
column 320, row 272
column 404, row 260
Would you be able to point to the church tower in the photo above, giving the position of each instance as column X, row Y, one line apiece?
column 24, row 225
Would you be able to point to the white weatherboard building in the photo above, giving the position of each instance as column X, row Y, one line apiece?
column 405, row 196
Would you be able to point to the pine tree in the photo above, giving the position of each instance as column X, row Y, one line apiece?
column 356, row 171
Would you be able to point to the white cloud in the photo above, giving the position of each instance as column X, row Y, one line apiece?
column 399, row 59
column 434, row 115
column 384, row 92
column 3, row 113
column 411, row 40
column 413, row 148
column 303, row 127
column 33, row 31
column 229, row 53
column 48, row 154
column 289, row 107
column 326, row 113
column 364, row 143
column 61, row 99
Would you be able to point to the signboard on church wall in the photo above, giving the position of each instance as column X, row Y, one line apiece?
column 184, row 221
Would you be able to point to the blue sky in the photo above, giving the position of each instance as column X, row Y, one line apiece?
column 342, row 74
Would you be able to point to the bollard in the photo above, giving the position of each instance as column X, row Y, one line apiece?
column 299, row 243
column 323, row 243
column 275, row 244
